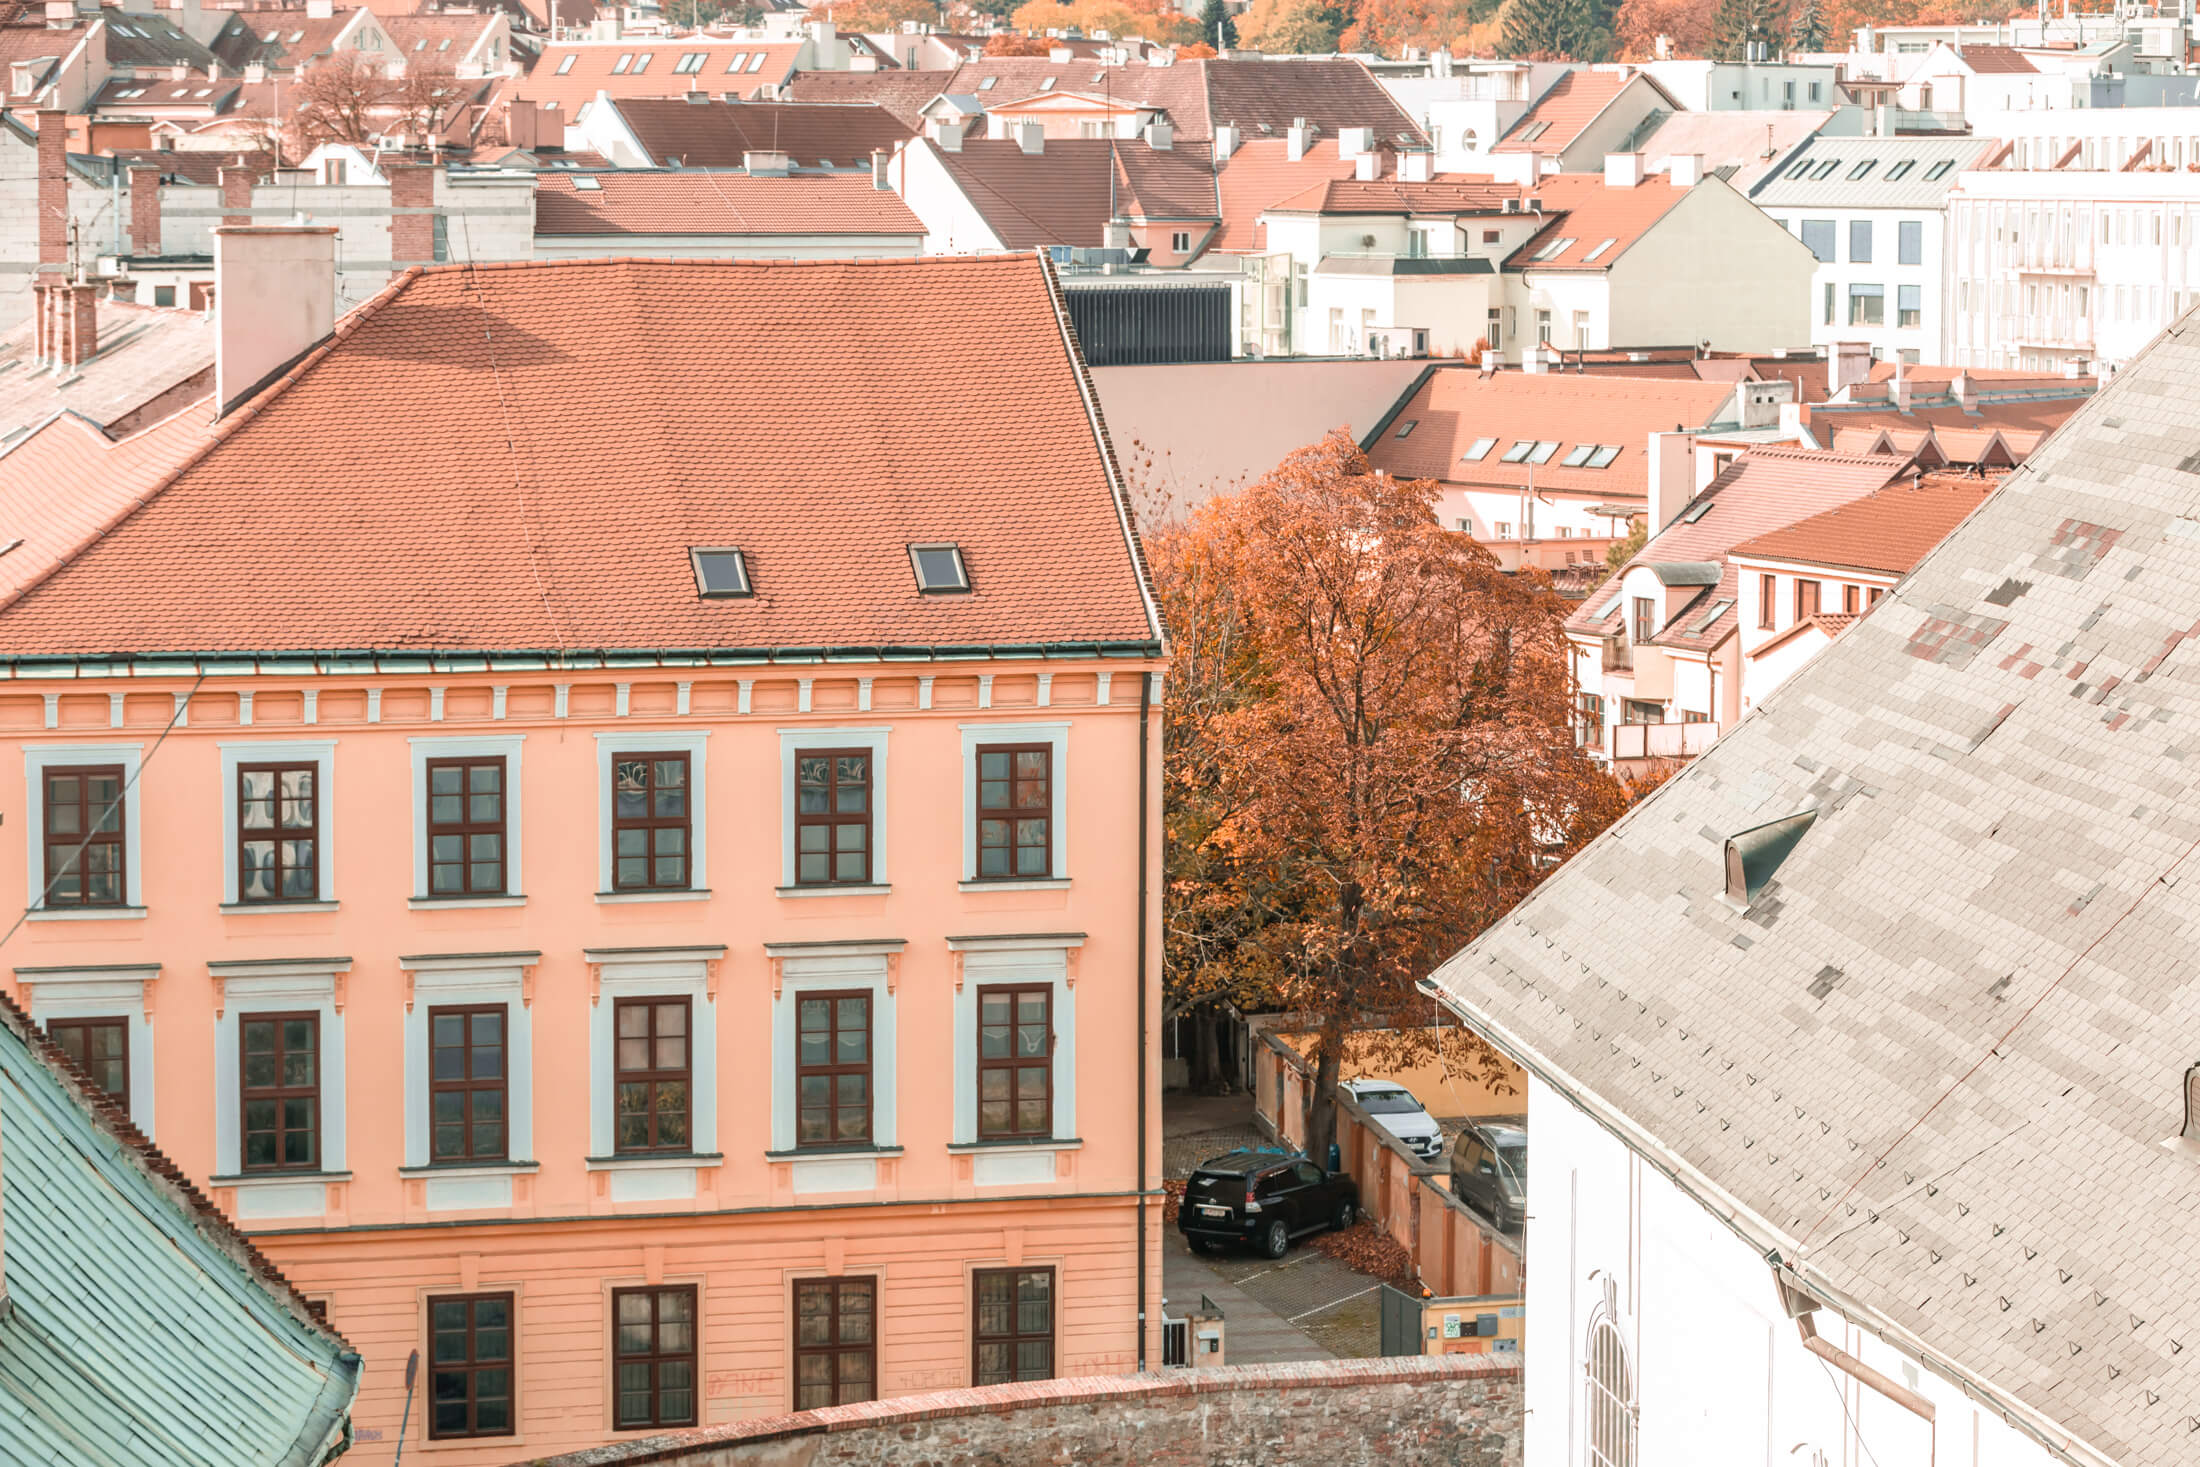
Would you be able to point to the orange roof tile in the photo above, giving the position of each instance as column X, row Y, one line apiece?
column 572, row 428
column 739, row 67
column 721, row 134
column 1571, row 104
column 902, row 93
column 698, row 202
column 1830, row 624
column 1066, row 194
column 1985, row 59
column 1447, row 193
column 1261, row 172
column 1599, row 222
column 66, row 481
column 1888, row 530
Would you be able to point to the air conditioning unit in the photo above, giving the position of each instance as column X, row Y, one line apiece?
column 1509, row 206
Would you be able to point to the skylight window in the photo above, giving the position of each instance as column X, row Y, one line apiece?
column 1695, row 511
column 988, row 84
column 1703, row 623
column 721, row 573
column 1478, row 450
column 1046, row 84
column 421, row 44
column 1519, row 452
column 1534, row 130
column 1940, row 169
column 1410, row 425
column 565, row 64
column 1579, row 456
column 1600, row 249
column 1825, row 169
column 689, row 63
column 756, row 62
column 296, row 37
column 1800, row 169
column 939, row 569
column 1554, row 249
column 271, row 38
column 1543, row 451
column 444, row 44
column 738, row 58
column 1602, row 458
column 588, row 184
column 641, row 63
column 618, row 67
column 1900, row 169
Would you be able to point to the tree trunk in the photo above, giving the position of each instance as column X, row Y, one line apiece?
column 1208, row 1075
column 1321, row 1102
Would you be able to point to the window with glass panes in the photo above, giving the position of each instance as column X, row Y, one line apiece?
column 832, row 817
column 280, row 1098
column 651, row 820
column 1015, row 1053
column 833, row 1069
column 278, row 828
column 1015, row 811
column 466, row 827
column 835, row 1342
column 101, row 1049
column 84, row 837
column 1013, row 1333
column 654, row 1075
column 653, row 1356
column 466, row 1083
column 470, row 1365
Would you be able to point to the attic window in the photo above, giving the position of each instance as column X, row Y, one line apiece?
column 444, row 44
column 689, row 63
column 1519, row 452
column 1899, row 170
column 421, row 44
column 1602, row 458
column 1800, row 169
column 1694, row 512
column 1478, row 450
column 1600, row 249
column 756, row 62
column 1555, row 248
column 1578, row 457
column 1703, row 623
column 618, row 67
column 1046, row 84
column 271, row 38
column 1410, row 425
column 1825, row 169
column 591, row 184
column 1862, row 168
column 641, row 62
column 939, row 569
column 1940, row 169
column 296, row 37
column 738, row 58
column 988, row 83
column 1534, row 130
column 720, row 573
column 565, row 64
column 1754, row 854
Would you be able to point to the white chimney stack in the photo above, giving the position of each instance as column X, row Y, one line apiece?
column 274, row 299
column 948, row 133
column 1297, row 139
column 1031, row 136
column 320, row 9
column 1965, row 391
column 1160, row 135
column 1686, row 169
column 1622, row 170
column 1226, row 141
column 1413, row 167
column 1367, row 167
column 1353, row 141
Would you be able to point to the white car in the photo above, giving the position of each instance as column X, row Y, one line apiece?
column 1396, row 1111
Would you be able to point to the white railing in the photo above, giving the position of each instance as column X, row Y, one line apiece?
column 1662, row 740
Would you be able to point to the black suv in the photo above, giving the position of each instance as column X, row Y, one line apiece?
column 1263, row 1197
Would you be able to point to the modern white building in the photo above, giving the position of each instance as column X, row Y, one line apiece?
column 1874, row 213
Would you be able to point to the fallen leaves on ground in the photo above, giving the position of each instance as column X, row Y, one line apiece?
column 1366, row 1248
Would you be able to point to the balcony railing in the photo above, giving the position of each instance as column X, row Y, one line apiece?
column 1662, row 740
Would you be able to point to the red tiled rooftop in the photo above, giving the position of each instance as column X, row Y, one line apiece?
column 1446, row 193
column 902, row 93
column 572, row 428
column 591, row 71
column 1984, row 59
column 1066, row 194
column 66, row 481
column 694, row 202
column 720, row 134
column 1259, row 174
column 1599, row 219
column 1888, row 530
column 1571, row 104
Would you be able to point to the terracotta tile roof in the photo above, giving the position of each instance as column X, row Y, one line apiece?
column 718, row 134
column 1601, row 221
column 1829, row 624
column 1066, row 194
column 2036, row 415
column 1447, row 193
column 903, row 93
column 144, row 352
column 1260, row 173
column 426, row 35
column 1263, row 98
column 1985, row 59
column 298, row 38
column 1571, row 104
column 822, row 416
column 66, row 481
column 1888, row 530
column 691, row 202
column 1761, row 491
column 1178, row 91
column 591, row 71
column 1455, row 407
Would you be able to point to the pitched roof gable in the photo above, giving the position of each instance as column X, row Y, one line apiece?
column 722, row 134
column 1067, row 194
column 1888, row 530
column 696, row 202
column 1595, row 222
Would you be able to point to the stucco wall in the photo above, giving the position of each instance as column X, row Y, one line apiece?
column 1715, row 269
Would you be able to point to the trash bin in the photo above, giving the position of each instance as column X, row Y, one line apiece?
column 1336, row 1158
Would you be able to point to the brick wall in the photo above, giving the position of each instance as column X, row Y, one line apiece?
column 144, row 211
column 412, row 214
column 53, row 188
column 1436, row 1411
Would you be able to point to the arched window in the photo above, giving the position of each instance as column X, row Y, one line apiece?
column 1610, row 1396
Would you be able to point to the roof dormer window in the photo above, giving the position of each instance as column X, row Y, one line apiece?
column 1754, row 854
column 939, row 569
column 721, row 573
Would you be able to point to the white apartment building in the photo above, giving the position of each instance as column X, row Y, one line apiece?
column 1874, row 212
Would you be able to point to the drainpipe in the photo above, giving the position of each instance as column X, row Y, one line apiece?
column 1145, row 743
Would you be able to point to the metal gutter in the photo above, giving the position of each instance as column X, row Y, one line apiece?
column 373, row 662
column 1145, row 747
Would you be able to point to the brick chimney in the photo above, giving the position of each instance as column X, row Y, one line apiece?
column 53, row 188
column 522, row 125
column 66, row 328
column 237, row 194
column 274, row 299
column 145, row 212
column 412, row 213
column 881, row 178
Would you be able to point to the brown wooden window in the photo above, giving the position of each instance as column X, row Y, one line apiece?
column 1646, row 621
column 278, row 829
column 653, row 1353
column 1015, row 811
column 832, row 817
column 1876, row 593
column 1768, row 594
column 466, row 1083
column 835, row 1342
column 84, row 837
column 1015, row 1054
column 652, row 819
column 1852, row 598
column 1806, row 598
column 101, row 1049
column 281, row 1091
column 1012, row 1337
column 833, row 1069
column 470, row 1365
column 466, row 827
column 655, row 1061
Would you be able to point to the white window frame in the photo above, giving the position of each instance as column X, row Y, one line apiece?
column 103, row 993
column 303, row 985
column 37, row 759
column 630, row 973
column 695, row 743
column 506, row 746
column 1056, row 737
column 438, row 981
column 807, row 968
column 321, row 753
column 870, row 738
column 988, row 962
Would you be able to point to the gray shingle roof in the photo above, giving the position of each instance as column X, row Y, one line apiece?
column 1797, row 185
column 1976, row 966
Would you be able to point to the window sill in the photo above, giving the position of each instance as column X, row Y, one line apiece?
column 687, row 894
column 662, row 1161
column 1068, row 1143
column 832, row 1153
column 275, row 1179
column 471, row 1169
column 1033, row 883
column 246, row 909
column 829, row 890
column 86, row 914
column 430, row 904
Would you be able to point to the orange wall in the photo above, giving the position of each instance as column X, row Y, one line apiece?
column 376, row 1244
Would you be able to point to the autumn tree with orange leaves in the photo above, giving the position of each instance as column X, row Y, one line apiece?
column 1369, row 751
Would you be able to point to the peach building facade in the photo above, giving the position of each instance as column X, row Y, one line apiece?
column 647, row 1037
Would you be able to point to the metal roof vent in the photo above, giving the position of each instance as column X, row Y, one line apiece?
column 1754, row 854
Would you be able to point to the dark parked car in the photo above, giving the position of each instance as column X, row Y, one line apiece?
column 1266, row 1198
column 1489, row 1171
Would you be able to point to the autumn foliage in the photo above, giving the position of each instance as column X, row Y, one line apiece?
column 876, row 15
column 1123, row 18
column 1369, row 752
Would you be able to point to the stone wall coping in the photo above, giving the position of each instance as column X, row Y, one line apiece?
column 1000, row 1400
